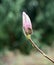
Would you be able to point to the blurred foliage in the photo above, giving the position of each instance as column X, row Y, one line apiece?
column 41, row 13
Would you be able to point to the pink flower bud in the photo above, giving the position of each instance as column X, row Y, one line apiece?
column 27, row 26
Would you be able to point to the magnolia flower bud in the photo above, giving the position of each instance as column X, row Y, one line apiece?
column 27, row 26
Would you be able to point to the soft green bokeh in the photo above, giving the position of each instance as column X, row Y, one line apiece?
column 41, row 13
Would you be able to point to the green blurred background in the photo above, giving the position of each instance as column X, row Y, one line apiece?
column 41, row 13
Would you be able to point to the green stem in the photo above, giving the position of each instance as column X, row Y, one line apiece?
column 36, row 47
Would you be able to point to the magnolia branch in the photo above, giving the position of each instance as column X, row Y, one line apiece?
column 27, row 29
column 36, row 47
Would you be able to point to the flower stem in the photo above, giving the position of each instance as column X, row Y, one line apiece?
column 36, row 47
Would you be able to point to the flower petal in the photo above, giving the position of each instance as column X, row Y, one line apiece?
column 26, row 22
